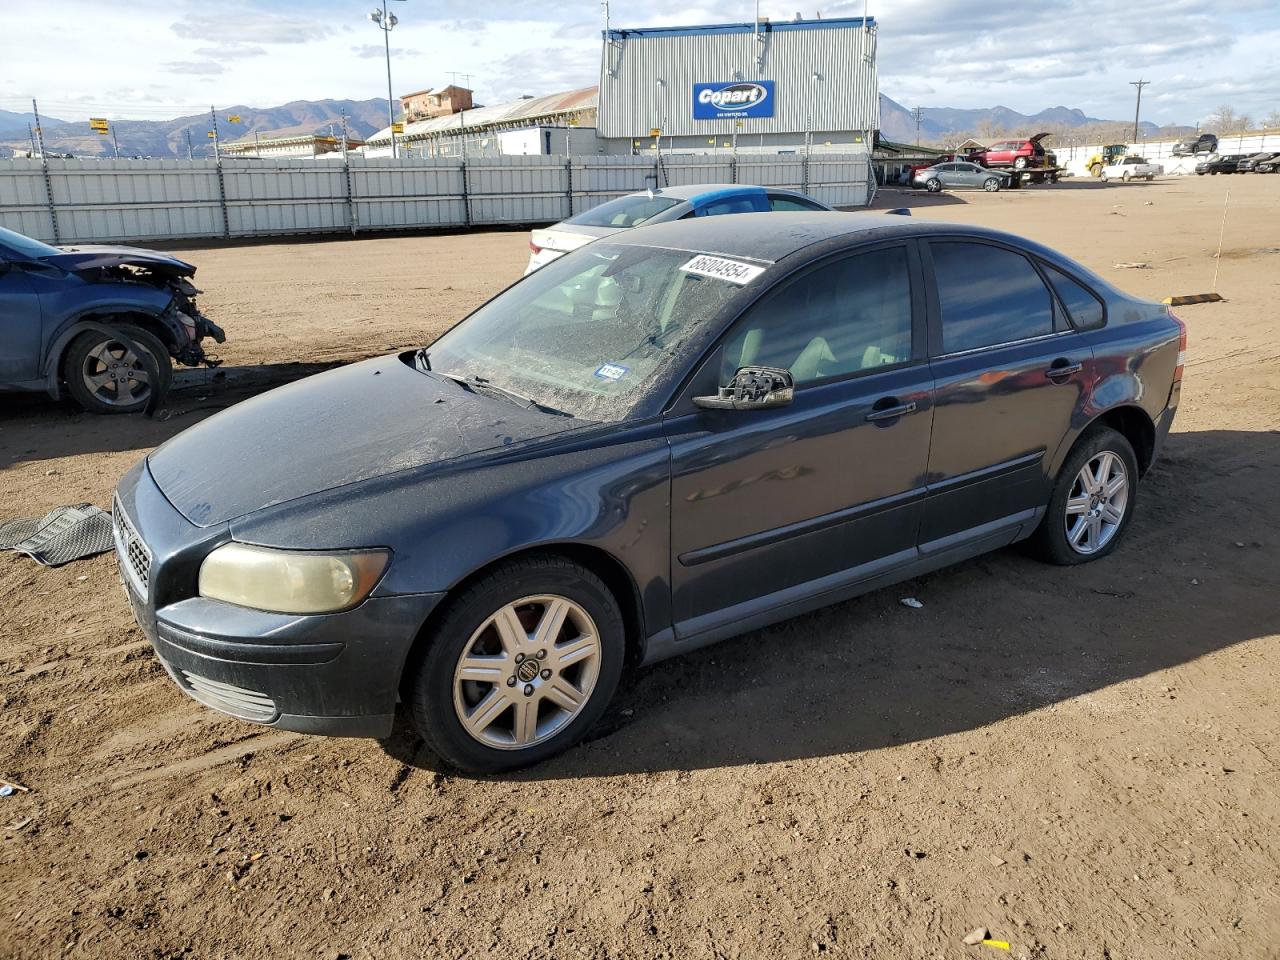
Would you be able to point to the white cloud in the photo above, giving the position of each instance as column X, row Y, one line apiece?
column 156, row 58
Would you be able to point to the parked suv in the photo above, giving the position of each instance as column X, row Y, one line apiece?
column 1250, row 164
column 1217, row 165
column 670, row 436
column 1018, row 154
column 1205, row 143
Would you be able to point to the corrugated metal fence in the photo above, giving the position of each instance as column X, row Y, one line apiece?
column 82, row 201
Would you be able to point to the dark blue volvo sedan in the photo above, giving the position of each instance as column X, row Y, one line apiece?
column 655, row 442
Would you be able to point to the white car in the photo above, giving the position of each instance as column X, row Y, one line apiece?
column 657, row 206
column 1131, row 168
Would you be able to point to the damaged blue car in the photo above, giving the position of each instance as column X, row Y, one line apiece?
column 101, row 324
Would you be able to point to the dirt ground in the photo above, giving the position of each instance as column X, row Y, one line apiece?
column 1084, row 761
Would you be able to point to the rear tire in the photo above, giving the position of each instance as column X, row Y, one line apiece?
column 492, row 628
column 103, row 375
column 933, row 185
column 1103, row 176
column 1060, row 539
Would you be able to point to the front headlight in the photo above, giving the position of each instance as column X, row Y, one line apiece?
column 284, row 581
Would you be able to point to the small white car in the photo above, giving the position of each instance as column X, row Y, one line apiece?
column 658, row 206
column 1132, row 168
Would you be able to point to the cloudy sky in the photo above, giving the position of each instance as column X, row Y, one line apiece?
column 148, row 59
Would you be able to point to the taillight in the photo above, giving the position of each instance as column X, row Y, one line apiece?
column 1182, row 346
column 534, row 247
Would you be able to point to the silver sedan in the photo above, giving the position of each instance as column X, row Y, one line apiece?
column 960, row 175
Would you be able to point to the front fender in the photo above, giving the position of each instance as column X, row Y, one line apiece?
column 93, row 307
column 444, row 523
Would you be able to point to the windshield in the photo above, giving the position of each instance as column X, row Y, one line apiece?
column 587, row 333
column 625, row 211
column 25, row 246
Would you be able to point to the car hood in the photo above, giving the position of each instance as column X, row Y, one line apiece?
column 94, row 256
column 353, row 424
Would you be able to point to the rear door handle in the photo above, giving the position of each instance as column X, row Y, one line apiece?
column 1063, row 369
column 890, row 413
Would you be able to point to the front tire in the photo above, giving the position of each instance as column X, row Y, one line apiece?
column 522, row 663
column 991, row 185
column 1103, row 176
column 105, row 375
column 1092, row 502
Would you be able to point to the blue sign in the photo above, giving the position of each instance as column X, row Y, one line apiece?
column 739, row 100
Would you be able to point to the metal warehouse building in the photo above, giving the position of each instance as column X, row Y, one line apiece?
column 751, row 87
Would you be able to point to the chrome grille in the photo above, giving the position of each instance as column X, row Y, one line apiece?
column 237, row 701
column 132, row 553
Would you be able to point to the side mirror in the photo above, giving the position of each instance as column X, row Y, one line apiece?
column 753, row 388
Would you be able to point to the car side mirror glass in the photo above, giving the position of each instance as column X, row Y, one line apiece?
column 752, row 388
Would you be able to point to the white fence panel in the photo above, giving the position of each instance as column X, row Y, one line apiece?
column 839, row 181
column 772, row 171
column 156, row 200
column 399, row 213
column 682, row 170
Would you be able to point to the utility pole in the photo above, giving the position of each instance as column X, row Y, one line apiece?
column 918, row 115
column 213, row 116
column 115, row 144
column 190, row 155
column 31, row 135
column 1137, row 111
column 35, row 112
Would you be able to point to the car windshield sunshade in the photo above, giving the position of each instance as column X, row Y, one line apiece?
column 60, row 536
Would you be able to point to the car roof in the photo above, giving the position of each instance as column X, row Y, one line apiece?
column 770, row 237
column 691, row 191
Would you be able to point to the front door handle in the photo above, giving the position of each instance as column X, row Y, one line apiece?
column 1061, row 368
column 892, row 413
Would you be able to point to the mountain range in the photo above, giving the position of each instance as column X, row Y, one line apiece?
column 169, row 138
column 938, row 124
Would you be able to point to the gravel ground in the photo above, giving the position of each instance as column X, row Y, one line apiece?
column 1083, row 761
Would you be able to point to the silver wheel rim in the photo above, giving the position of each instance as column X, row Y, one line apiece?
column 115, row 375
column 527, row 672
column 1096, row 503
column 991, row 186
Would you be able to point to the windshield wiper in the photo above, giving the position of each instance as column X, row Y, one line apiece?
column 475, row 380
column 422, row 359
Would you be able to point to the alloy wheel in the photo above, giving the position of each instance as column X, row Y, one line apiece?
column 115, row 375
column 1097, row 502
column 527, row 672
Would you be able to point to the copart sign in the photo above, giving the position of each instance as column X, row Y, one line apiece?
column 741, row 99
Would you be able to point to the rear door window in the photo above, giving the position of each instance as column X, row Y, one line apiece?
column 740, row 204
column 988, row 295
column 779, row 203
column 1083, row 306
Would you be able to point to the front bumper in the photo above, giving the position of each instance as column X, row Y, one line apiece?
column 336, row 674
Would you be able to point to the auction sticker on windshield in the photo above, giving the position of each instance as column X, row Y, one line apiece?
column 723, row 269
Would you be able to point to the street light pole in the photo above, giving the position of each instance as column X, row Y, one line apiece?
column 385, row 22
column 1137, row 110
